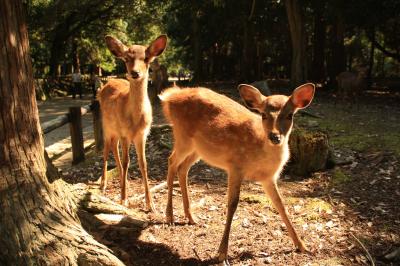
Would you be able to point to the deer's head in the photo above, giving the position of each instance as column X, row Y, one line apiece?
column 137, row 58
column 277, row 110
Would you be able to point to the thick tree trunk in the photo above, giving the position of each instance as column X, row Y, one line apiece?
column 318, row 69
column 309, row 151
column 38, row 222
column 296, row 25
column 337, row 56
column 247, row 68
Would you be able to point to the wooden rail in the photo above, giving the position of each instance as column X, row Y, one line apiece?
column 74, row 118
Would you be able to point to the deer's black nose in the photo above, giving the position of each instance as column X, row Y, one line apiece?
column 135, row 74
column 274, row 138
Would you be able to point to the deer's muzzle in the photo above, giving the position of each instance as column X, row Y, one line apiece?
column 135, row 74
column 274, row 138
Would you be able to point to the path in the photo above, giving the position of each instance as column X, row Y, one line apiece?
column 58, row 141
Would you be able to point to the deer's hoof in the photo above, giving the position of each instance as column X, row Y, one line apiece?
column 124, row 202
column 224, row 263
column 169, row 220
column 150, row 207
column 301, row 247
column 223, row 258
column 192, row 221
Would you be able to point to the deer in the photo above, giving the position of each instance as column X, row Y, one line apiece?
column 225, row 134
column 351, row 84
column 127, row 112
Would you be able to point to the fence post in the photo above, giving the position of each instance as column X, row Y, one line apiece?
column 97, row 125
column 75, row 127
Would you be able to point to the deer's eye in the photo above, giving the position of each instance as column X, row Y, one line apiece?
column 289, row 116
column 263, row 116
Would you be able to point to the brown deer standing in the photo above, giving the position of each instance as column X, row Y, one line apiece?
column 350, row 85
column 126, row 110
column 225, row 134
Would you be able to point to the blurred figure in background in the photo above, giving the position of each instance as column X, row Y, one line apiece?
column 76, row 84
column 95, row 84
column 159, row 79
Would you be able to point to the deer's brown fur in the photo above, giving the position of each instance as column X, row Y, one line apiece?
column 126, row 110
column 225, row 134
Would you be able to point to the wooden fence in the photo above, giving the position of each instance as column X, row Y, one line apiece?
column 74, row 118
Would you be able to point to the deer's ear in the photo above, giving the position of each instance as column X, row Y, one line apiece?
column 252, row 97
column 303, row 95
column 156, row 47
column 116, row 47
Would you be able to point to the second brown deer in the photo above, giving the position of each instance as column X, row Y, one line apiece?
column 350, row 85
column 225, row 134
column 126, row 110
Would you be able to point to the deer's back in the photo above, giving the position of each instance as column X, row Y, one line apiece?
column 223, row 132
column 349, row 80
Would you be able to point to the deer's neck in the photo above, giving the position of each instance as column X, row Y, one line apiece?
column 138, row 97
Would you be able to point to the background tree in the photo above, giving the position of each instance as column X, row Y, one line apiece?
column 39, row 224
column 297, row 34
column 221, row 39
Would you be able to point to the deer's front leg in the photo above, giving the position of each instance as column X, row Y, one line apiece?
column 270, row 187
column 124, row 175
column 140, row 143
column 234, row 183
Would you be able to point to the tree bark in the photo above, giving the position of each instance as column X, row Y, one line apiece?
column 196, row 45
column 337, row 56
column 296, row 26
column 318, row 69
column 371, row 57
column 38, row 220
column 75, row 56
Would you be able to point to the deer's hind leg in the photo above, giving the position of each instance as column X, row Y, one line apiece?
column 183, row 170
column 106, row 153
column 182, row 150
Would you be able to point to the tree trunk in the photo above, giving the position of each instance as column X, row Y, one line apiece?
column 309, row 151
column 244, row 68
column 296, row 26
column 337, row 57
column 196, row 45
column 318, row 73
column 75, row 56
column 371, row 58
column 39, row 225
column 56, row 51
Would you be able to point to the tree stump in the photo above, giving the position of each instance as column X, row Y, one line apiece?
column 309, row 151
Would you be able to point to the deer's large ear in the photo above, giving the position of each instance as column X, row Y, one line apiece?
column 156, row 47
column 252, row 97
column 303, row 95
column 116, row 47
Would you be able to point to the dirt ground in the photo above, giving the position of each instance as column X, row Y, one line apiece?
column 342, row 213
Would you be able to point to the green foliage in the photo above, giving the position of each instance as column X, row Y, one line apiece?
column 217, row 39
